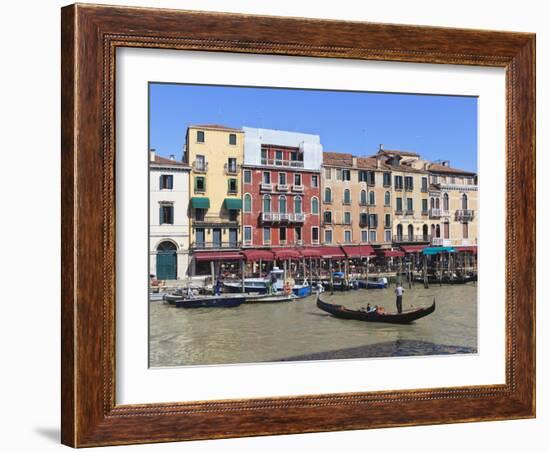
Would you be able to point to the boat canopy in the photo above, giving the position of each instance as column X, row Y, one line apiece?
column 437, row 250
column 218, row 256
column 358, row 251
column 233, row 203
column 200, row 202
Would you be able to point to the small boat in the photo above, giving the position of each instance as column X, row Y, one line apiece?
column 447, row 280
column 339, row 282
column 371, row 283
column 211, row 301
column 261, row 285
column 403, row 318
column 156, row 296
column 271, row 298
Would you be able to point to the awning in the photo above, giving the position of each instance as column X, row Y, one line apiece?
column 200, row 203
column 358, row 251
column 466, row 249
column 310, row 252
column 286, row 253
column 391, row 253
column 256, row 255
column 331, row 252
column 437, row 250
column 413, row 248
column 218, row 256
column 233, row 203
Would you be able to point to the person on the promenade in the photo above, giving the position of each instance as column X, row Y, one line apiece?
column 218, row 288
column 399, row 297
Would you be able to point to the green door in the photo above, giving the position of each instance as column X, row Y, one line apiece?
column 166, row 261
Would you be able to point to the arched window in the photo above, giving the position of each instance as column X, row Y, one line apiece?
column 399, row 232
column 387, row 199
column 432, row 203
column 445, row 202
column 410, row 232
column 437, row 231
column 328, row 195
column 372, row 198
column 282, row 204
column 247, row 203
column 464, row 202
column 437, row 203
column 166, row 246
column 347, row 196
column 425, row 237
column 364, row 197
column 297, row 204
column 314, row 206
column 267, row 203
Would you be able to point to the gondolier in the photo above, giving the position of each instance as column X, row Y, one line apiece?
column 399, row 298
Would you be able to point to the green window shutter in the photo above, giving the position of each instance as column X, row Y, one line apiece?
column 170, row 182
column 161, row 215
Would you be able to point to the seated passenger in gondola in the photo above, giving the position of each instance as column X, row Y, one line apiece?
column 380, row 310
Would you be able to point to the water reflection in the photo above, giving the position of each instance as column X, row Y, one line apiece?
column 299, row 330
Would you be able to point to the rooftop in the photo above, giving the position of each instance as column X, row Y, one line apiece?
column 164, row 161
column 215, row 127
column 438, row 168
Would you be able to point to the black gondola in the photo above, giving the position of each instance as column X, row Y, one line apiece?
column 345, row 313
column 448, row 280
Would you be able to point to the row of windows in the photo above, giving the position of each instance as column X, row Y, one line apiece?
column 200, row 185
column 282, row 204
column 267, row 234
column 461, row 180
column 282, row 178
column 434, row 202
column 362, row 176
column 201, row 137
column 362, row 197
column 366, row 236
column 370, row 220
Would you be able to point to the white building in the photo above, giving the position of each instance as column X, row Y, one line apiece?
column 168, row 218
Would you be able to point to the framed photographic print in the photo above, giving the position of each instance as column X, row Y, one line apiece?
column 281, row 225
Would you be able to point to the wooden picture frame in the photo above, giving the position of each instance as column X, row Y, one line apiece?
column 90, row 36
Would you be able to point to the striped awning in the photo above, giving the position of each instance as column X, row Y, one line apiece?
column 256, row 255
column 218, row 256
column 286, row 253
column 358, row 251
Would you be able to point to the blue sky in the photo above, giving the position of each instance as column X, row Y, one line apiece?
column 436, row 127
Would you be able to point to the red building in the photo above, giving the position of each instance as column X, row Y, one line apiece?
column 281, row 195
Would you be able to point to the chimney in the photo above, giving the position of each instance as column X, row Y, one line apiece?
column 354, row 162
column 172, row 157
column 152, row 153
column 380, row 147
column 378, row 163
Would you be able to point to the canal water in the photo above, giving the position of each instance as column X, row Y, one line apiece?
column 298, row 330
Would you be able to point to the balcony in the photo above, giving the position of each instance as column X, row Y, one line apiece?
column 276, row 217
column 286, row 163
column 424, row 213
column 298, row 188
column 282, row 187
column 231, row 169
column 409, row 212
column 440, row 241
column 406, row 238
column 399, row 212
column 266, row 187
column 464, row 215
column 215, row 245
column 438, row 213
column 200, row 167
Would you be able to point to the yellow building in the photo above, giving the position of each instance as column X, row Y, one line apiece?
column 453, row 205
column 215, row 155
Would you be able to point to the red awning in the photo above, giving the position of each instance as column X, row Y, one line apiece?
column 391, row 253
column 218, row 256
column 358, row 251
column 256, row 255
column 310, row 252
column 413, row 248
column 330, row 252
column 286, row 253
column 466, row 249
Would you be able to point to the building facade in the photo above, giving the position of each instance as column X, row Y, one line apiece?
column 168, row 218
column 215, row 155
column 281, row 188
column 453, row 205
column 356, row 200
column 410, row 200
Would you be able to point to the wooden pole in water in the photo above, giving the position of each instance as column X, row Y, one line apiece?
column 242, row 276
column 260, row 267
column 440, row 268
column 284, row 271
column 330, row 276
column 212, row 274
column 425, row 271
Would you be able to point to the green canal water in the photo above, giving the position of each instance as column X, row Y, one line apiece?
column 300, row 331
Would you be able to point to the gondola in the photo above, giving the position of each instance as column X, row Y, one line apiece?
column 345, row 313
column 447, row 280
column 215, row 301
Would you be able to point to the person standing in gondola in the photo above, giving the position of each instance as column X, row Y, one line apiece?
column 399, row 298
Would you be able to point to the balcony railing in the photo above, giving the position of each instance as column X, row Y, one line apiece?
column 424, row 212
column 276, row 217
column 231, row 169
column 215, row 245
column 282, row 187
column 200, row 167
column 266, row 187
column 409, row 212
column 464, row 215
column 288, row 163
column 398, row 212
column 298, row 188
column 407, row 238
